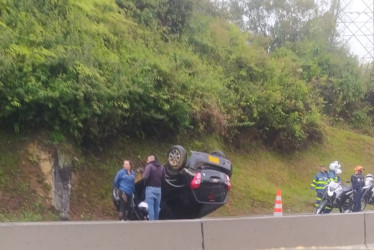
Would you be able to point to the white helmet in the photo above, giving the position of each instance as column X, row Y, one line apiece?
column 338, row 172
column 143, row 205
column 338, row 164
column 368, row 178
column 334, row 166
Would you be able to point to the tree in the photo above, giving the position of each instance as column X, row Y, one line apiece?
column 281, row 20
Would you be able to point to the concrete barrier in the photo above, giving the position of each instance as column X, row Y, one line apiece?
column 304, row 231
column 184, row 235
column 369, row 230
column 283, row 232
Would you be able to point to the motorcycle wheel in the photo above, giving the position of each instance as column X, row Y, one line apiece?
column 347, row 206
column 321, row 207
column 363, row 203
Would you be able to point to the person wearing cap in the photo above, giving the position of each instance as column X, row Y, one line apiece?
column 357, row 185
column 319, row 182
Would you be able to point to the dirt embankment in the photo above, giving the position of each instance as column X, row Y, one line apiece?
column 28, row 189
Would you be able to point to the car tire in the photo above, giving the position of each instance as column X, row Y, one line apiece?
column 176, row 160
column 218, row 153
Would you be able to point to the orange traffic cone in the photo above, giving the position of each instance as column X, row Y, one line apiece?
column 278, row 204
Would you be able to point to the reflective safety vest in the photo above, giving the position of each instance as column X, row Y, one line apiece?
column 332, row 176
column 320, row 181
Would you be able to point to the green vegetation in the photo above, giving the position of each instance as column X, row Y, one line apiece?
column 98, row 75
column 97, row 69
column 258, row 173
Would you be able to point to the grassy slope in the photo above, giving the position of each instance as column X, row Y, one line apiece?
column 257, row 174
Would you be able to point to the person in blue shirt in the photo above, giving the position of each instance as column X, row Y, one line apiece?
column 125, row 182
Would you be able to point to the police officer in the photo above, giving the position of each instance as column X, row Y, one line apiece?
column 319, row 182
column 357, row 184
column 333, row 176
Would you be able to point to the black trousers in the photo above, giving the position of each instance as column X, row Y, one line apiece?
column 124, row 205
column 357, row 195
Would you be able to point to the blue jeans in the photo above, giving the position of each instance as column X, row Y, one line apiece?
column 153, row 199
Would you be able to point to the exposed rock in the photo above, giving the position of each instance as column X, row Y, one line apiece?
column 62, row 176
column 45, row 164
column 50, row 176
column 39, row 171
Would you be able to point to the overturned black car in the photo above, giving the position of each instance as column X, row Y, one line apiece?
column 194, row 187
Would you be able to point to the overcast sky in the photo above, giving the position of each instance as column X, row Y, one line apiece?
column 358, row 19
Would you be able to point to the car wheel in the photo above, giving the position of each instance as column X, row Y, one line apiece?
column 218, row 153
column 177, row 158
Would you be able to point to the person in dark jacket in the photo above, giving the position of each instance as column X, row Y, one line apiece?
column 153, row 176
column 357, row 184
column 125, row 182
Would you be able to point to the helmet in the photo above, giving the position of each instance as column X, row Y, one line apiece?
column 338, row 164
column 359, row 168
column 334, row 165
column 143, row 205
column 143, row 208
column 338, row 172
column 368, row 179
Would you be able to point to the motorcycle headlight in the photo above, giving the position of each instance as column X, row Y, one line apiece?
column 333, row 186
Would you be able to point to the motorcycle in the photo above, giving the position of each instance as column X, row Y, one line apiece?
column 138, row 209
column 336, row 195
column 368, row 192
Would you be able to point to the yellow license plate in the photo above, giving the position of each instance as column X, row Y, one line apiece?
column 213, row 159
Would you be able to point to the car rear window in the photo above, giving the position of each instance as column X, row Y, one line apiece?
column 211, row 193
